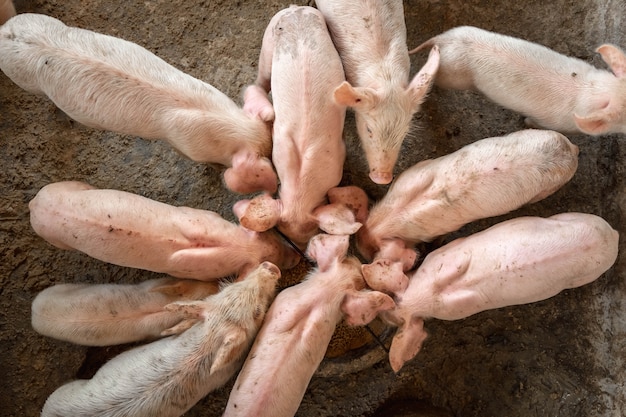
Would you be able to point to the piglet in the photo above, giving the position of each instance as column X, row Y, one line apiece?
column 130, row 230
column 553, row 90
column 370, row 36
column 167, row 377
column 518, row 261
column 109, row 83
column 297, row 329
column 7, row 10
column 301, row 67
column 112, row 314
column 487, row 178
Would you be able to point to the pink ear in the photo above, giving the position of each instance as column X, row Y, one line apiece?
column 407, row 343
column 423, row 80
column 597, row 123
column 326, row 249
column 336, row 219
column 361, row 307
column 352, row 197
column 251, row 172
column 198, row 309
column 358, row 98
column 256, row 103
column 615, row 59
column 385, row 275
column 187, row 289
column 259, row 214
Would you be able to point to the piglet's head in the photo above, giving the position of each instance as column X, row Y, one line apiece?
column 383, row 116
column 611, row 116
column 265, row 278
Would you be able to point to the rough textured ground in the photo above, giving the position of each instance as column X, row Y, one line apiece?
column 561, row 357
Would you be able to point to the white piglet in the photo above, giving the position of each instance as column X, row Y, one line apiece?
column 300, row 66
column 130, row 230
column 297, row 329
column 112, row 314
column 518, row 261
column 109, row 83
column 167, row 377
column 486, row 178
column 370, row 36
column 555, row 91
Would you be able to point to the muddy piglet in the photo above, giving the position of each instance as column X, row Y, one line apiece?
column 301, row 67
column 167, row 377
column 130, row 230
column 555, row 91
column 109, row 83
column 297, row 329
column 370, row 37
column 112, row 314
column 518, row 261
column 487, row 178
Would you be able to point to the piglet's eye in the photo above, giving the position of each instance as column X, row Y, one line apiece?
column 368, row 130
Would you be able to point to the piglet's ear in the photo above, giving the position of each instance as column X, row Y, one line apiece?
column 352, row 197
column 326, row 249
column 361, row 307
column 422, row 82
column 596, row 123
column 198, row 309
column 170, row 288
column 250, row 172
column 407, row 343
column 259, row 214
column 336, row 219
column 256, row 104
column 385, row 275
column 615, row 59
column 187, row 288
column 232, row 346
column 180, row 327
column 359, row 98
